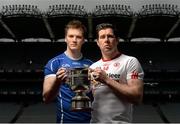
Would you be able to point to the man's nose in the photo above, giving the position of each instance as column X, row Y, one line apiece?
column 74, row 38
column 106, row 39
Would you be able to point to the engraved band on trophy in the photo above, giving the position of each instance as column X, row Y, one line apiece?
column 79, row 82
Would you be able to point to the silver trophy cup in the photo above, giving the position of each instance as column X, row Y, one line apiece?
column 79, row 82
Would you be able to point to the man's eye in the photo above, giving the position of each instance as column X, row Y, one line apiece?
column 79, row 37
column 111, row 36
column 102, row 37
column 108, row 36
column 70, row 35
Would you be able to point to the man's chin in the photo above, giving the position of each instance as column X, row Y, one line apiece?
column 109, row 51
column 74, row 48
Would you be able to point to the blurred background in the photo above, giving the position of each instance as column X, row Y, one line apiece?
column 32, row 32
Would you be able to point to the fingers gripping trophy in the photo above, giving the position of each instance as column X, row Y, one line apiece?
column 79, row 81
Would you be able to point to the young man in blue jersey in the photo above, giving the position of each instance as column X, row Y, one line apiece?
column 55, row 86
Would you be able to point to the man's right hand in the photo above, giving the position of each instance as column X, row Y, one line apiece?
column 61, row 75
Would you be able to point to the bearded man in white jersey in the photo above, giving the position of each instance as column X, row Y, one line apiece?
column 117, row 80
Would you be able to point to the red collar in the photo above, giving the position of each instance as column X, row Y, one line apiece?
column 104, row 60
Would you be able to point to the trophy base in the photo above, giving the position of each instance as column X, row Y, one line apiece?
column 81, row 109
column 80, row 106
column 81, row 103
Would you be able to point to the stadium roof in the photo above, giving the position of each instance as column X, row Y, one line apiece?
column 45, row 19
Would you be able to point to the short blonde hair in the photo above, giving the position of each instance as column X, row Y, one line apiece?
column 76, row 24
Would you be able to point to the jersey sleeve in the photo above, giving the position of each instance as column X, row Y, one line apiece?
column 134, row 69
column 51, row 67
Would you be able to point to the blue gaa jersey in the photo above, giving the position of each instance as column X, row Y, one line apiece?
column 63, row 101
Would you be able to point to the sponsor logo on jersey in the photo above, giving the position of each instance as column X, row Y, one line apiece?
column 76, row 63
column 66, row 65
column 113, row 76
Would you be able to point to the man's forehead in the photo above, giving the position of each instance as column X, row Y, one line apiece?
column 106, row 30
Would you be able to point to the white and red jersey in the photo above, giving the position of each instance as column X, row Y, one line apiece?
column 108, row 107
